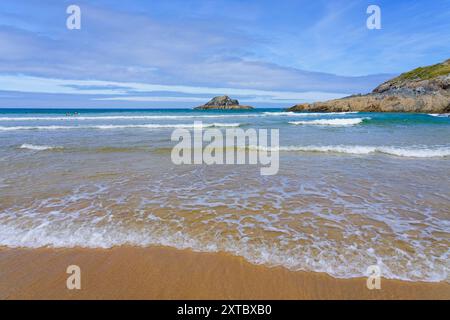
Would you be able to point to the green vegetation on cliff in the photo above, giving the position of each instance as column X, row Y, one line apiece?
column 424, row 89
column 425, row 73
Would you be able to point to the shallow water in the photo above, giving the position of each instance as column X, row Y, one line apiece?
column 353, row 189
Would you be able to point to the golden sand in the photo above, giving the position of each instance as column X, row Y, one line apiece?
column 166, row 273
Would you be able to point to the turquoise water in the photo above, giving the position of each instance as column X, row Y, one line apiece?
column 399, row 129
column 353, row 189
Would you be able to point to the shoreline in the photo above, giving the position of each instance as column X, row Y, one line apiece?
column 169, row 273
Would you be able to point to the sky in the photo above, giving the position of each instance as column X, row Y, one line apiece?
column 174, row 54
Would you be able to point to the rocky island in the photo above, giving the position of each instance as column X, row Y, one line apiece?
column 223, row 103
column 425, row 89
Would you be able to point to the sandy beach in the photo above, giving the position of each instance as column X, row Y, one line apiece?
column 225, row 150
column 166, row 273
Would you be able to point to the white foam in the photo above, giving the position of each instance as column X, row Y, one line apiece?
column 88, row 234
column 93, row 118
column 224, row 125
column 86, row 218
column 37, row 147
column 125, row 126
column 441, row 115
column 331, row 122
column 414, row 152
column 14, row 128
column 303, row 114
column 168, row 117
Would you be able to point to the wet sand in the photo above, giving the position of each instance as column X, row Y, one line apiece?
column 166, row 273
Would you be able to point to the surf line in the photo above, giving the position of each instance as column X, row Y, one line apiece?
column 232, row 146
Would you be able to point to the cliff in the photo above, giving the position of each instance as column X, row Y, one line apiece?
column 425, row 89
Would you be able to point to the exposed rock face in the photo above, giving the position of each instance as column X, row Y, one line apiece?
column 223, row 102
column 424, row 89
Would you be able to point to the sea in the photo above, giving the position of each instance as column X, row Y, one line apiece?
column 352, row 190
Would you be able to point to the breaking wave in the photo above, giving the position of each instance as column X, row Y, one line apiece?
column 37, row 147
column 415, row 152
column 125, row 126
column 302, row 114
column 168, row 117
column 158, row 117
column 440, row 115
column 331, row 122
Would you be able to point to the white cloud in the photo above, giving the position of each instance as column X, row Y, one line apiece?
column 135, row 47
column 154, row 99
column 126, row 90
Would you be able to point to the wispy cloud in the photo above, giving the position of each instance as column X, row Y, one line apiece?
column 126, row 91
column 256, row 50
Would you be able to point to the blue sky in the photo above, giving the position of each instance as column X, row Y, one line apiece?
column 174, row 53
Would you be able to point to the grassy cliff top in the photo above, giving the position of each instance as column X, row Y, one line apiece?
column 425, row 73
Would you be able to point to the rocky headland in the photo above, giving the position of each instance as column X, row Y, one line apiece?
column 422, row 90
column 223, row 103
